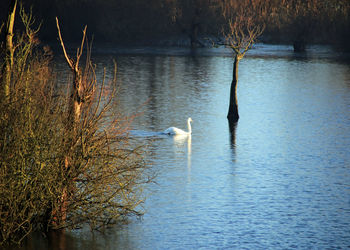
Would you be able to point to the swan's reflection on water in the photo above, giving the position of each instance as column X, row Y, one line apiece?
column 179, row 141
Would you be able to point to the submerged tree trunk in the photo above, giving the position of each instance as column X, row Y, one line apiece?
column 232, row 115
column 299, row 45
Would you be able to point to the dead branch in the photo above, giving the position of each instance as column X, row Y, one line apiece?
column 69, row 61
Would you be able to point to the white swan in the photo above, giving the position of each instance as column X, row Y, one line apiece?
column 177, row 131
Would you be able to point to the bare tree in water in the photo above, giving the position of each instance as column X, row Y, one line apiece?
column 240, row 32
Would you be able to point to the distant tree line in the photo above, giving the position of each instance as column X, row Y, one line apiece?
column 137, row 21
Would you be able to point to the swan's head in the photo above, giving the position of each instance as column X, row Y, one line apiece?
column 189, row 119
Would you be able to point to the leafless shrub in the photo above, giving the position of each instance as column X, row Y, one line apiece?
column 55, row 173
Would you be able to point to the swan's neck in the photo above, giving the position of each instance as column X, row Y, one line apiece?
column 189, row 127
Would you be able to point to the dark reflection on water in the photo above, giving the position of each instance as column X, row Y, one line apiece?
column 278, row 179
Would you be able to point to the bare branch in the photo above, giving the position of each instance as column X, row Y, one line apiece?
column 242, row 28
column 69, row 61
column 80, row 50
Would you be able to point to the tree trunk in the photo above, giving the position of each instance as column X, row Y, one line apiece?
column 77, row 95
column 299, row 45
column 194, row 34
column 7, row 68
column 195, row 25
column 232, row 115
column 75, row 106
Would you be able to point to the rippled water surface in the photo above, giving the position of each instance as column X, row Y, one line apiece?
column 278, row 179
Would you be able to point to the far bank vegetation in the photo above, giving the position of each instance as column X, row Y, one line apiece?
column 298, row 22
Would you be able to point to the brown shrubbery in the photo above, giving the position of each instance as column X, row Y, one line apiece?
column 57, row 173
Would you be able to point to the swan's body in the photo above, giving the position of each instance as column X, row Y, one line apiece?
column 177, row 131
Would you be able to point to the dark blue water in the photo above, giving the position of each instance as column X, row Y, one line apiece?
column 279, row 179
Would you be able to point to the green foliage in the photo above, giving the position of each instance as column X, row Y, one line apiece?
column 53, row 175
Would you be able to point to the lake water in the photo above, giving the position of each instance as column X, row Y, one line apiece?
column 279, row 179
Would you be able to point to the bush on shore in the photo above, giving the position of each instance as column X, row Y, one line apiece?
column 56, row 173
